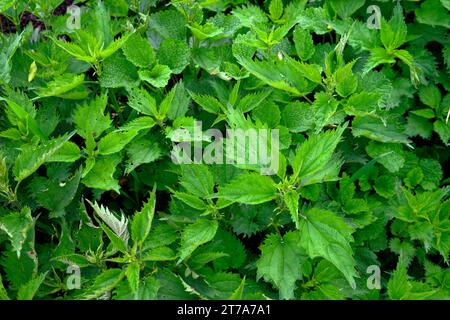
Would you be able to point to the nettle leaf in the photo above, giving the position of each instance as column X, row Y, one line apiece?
column 3, row 293
column 393, row 33
column 119, row 227
column 231, row 252
column 430, row 96
column 132, row 273
column 197, row 180
column 9, row 45
column 142, row 221
column 16, row 225
column 90, row 119
column 123, row 81
column 118, row 72
column 196, row 234
column 143, row 149
column 158, row 76
column 400, row 288
column 115, row 141
column 103, row 283
column 159, row 254
column 346, row 8
column 291, row 199
column 208, row 103
column 297, row 117
column 32, row 157
column 141, row 101
column 138, row 50
column 379, row 130
column 180, row 102
column 100, row 176
column 55, row 194
column 168, row 24
column 249, row 188
column 175, row 54
column 29, row 290
column 433, row 13
column 280, row 262
column 315, row 154
column 63, row 86
column 304, row 44
column 276, row 9
column 346, row 81
column 391, row 156
column 325, row 234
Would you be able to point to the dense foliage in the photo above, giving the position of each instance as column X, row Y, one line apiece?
column 92, row 101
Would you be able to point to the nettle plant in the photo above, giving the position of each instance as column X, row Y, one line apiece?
column 94, row 97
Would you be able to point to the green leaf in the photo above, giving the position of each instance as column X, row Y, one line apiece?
column 385, row 186
column 297, row 117
column 324, row 234
column 276, row 9
column 29, row 290
column 69, row 152
column 191, row 200
column 197, row 180
column 118, row 72
column 433, row 13
column 175, row 54
column 9, row 45
column 101, row 174
column 400, row 288
column 90, row 119
column 168, row 24
column 346, row 8
column 3, row 293
column 143, row 149
column 264, row 71
column 346, row 81
column 196, row 234
column 379, row 130
column 138, row 124
column 142, row 221
column 315, row 153
column 62, row 85
column 391, row 156
column 180, row 102
column 249, row 188
column 16, row 225
column 32, row 157
column 139, row 51
column 208, row 103
column 159, row 254
column 377, row 56
column 103, row 283
column 226, row 250
column 238, row 293
column 430, row 96
column 55, row 194
column 158, row 76
column 280, row 262
column 304, row 44
column 443, row 130
column 141, row 101
column 74, row 50
column 132, row 273
column 291, row 199
column 393, row 33
column 115, row 141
